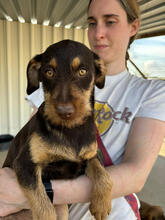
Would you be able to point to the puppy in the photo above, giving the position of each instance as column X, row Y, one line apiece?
column 22, row 215
column 59, row 142
column 149, row 212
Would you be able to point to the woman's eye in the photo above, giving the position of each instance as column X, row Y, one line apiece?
column 110, row 22
column 49, row 73
column 91, row 24
column 82, row 72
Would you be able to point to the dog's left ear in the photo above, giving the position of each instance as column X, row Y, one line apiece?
column 100, row 71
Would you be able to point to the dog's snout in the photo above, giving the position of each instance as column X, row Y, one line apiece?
column 65, row 110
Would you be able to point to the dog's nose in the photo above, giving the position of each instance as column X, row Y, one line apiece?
column 65, row 110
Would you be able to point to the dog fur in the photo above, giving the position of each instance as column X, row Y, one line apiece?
column 59, row 142
column 150, row 212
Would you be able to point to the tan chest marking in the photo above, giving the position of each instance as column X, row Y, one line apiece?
column 43, row 153
column 88, row 152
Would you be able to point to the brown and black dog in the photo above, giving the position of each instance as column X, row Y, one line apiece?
column 150, row 212
column 59, row 142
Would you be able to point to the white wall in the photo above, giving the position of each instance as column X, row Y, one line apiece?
column 18, row 44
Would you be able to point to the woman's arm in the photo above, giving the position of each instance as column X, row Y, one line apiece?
column 12, row 198
column 144, row 142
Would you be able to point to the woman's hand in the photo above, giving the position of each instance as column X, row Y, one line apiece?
column 12, row 198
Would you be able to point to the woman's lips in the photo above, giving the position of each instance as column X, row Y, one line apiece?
column 100, row 47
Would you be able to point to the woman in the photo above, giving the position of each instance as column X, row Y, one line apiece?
column 130, row 118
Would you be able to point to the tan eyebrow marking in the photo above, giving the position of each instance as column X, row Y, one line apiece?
column 76, row 63
column 53, row 62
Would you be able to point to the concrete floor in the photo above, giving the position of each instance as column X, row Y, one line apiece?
column 154, row 189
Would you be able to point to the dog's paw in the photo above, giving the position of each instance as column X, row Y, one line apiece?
column 100, row 206
column 101, row 209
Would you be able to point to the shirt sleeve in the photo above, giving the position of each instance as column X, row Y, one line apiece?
column 36, row 98
column 153, row 104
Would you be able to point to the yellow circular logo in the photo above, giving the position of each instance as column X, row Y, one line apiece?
column 103, row 117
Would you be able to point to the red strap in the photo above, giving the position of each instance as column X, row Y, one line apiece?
column 106, row 158
column 108, row 162
column 133, row 203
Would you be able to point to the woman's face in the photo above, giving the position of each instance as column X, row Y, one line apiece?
column 108, row 30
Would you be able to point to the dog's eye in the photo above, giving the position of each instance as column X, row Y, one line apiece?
column 49, row 74
column 82, row 72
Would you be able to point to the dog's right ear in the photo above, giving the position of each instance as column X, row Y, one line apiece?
column 33, row 74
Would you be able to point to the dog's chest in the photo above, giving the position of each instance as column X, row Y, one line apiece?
column 63, row 169
column 62, row 156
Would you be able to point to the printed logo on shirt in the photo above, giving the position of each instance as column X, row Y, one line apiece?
column 105, row 116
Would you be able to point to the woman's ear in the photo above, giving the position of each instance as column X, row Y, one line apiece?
column 33, row 74
column 100, row 71
column 135, row 27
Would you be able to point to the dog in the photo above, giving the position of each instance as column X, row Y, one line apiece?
column 22, row 215
column 59, row 142
column 150, row 212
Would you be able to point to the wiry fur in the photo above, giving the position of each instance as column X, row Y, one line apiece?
column 59, row 142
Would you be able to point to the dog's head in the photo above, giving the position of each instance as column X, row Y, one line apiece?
column 68, row 71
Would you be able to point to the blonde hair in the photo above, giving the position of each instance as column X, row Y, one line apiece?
column 131, row 8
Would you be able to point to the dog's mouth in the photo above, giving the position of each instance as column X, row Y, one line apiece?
column 68, row 116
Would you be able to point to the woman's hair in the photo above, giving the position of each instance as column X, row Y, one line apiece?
column 131, row 8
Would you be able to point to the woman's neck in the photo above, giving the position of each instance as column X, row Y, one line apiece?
column 115, row 68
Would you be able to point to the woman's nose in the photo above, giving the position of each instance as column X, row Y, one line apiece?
column 100, row 32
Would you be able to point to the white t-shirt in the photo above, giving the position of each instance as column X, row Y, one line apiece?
column 36, row 98
column 123, row 98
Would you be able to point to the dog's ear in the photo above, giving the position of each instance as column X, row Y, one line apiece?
column 33, row 74
column 100, row 71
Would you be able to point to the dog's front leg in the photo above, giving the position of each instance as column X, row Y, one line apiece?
column 31, row 183
column 62, row 212
column 101, row 194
